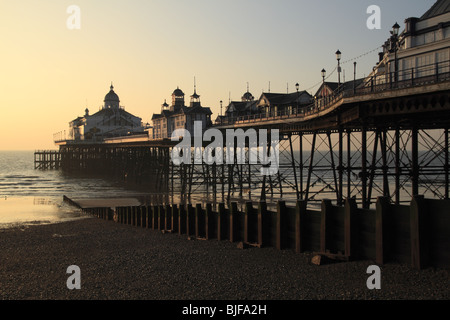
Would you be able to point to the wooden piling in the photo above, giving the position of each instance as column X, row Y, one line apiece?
column 262, row 212
column 382, row 227
column 419, row 233
column 300, row 222
column 221, row 222
column 324, row 224
column 350, row 228
column 281, row 225
column 199, row 221
column 209, row 222
column 234, row 223
column 174, row 218
column 182, row 220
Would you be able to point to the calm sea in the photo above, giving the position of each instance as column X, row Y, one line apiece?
column 29, row 196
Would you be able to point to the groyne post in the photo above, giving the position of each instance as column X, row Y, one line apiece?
column 382, row 227
column 234, row 225
column 300, row 212
column 419, row 233
column 350, row 228
column 221, row 222
column 262, row 213
column 324, row 224
column 281, row 229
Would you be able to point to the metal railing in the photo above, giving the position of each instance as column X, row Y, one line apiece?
column 412, row 77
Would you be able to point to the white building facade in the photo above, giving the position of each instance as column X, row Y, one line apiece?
column 421, row 50
column 110, row 121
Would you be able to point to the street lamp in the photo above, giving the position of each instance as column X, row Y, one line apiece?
column 394, row 48
column 395, row 29
column 324, row 73
column 297, row 86
column 338, row 57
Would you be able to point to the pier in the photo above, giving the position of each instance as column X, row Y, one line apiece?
column 363, row 167
column 47, row 159
column 388, row 140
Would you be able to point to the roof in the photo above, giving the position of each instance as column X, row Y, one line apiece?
column 284, row 98
column 110, row 112
column 182, row 110
column 440, row 7
column 111, row 95
column 345, row 86
column 177, row 92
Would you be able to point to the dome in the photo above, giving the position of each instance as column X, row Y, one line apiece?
column 177, row 92
column 247, row 96
column 112, row 96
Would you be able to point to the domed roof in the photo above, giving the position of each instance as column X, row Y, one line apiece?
column 247, row 96
column 177, row 92
column 111, row 96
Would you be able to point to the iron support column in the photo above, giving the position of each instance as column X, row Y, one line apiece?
column 415, row 161
column 364, row 167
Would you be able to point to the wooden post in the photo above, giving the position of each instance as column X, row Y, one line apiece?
column 168, row 218
column 221, row 222
column 382, row 230
column 208, row 221
column 350, row 227
column 300, row 212
column 262, row 212
column 247, row 212
column 133, row 216
column 155, row 217
column 129, row 215
column 233, row 222
column 138, row 215
column 199, row 221
column 120, row 215
column 182, row 220
column 148, row 217
column 189, row 218
column 324, row 225
column 175, row 219
column 160, row 217
column 419, row 233
column 281, row 225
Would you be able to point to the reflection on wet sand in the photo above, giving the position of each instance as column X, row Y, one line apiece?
column 34, row 210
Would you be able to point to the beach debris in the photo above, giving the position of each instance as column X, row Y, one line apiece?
column 322, row 258
column 242, row 245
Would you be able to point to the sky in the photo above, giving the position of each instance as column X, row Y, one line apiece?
column 50, row 73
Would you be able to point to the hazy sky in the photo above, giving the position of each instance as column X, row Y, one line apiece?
column 49, row 74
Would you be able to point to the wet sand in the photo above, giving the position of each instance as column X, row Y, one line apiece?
column 124, row 262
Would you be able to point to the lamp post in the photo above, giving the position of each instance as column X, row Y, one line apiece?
column 324, row 74
column 221, row 118
column 394, row 48
column 338, row 57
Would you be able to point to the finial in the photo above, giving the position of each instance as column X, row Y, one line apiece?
column 112, row 87
column 247, row 87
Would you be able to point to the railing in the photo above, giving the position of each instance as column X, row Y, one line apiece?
column 412, row 77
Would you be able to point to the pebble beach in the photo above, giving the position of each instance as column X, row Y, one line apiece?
column 122, row 262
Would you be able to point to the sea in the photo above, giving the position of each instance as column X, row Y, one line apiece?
column 34, row 197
